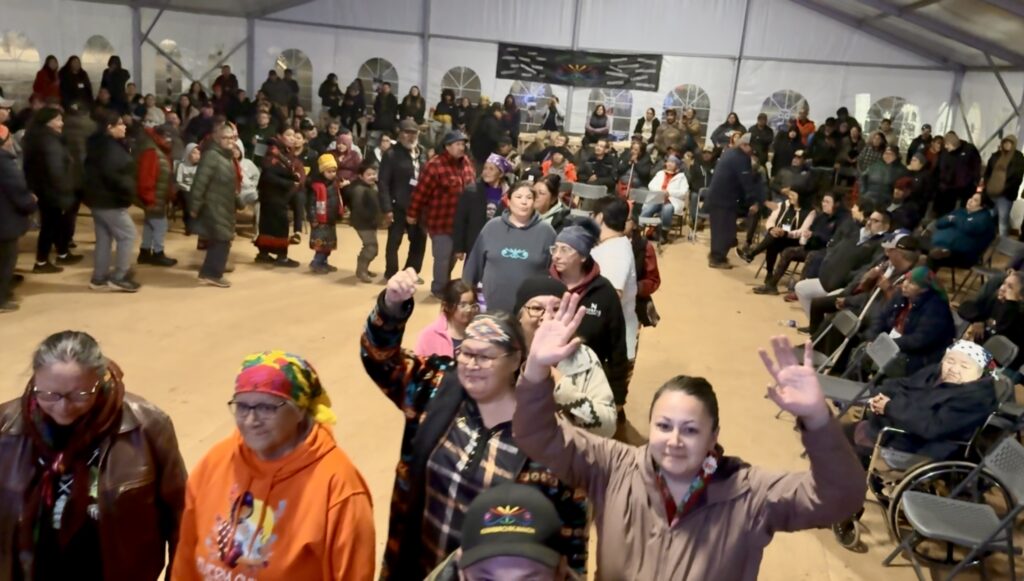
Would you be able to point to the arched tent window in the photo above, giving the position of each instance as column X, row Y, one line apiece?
column 374, row 72
column 94, row 58
column 781, row 106
column 19, row 61
column 618, row 104
column 532, row 99
column 464, row 82
column 168, row 75
column 905, row 118
column 686, row 96
column 302, row 68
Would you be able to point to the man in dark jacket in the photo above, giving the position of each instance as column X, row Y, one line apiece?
column 602, row 168
column 227, row 82
column 920, row 143
column 385, row 110
column 16, row 205
column 213, row 201
column 47, row 165
column 733, row 192
column 484, row 140
column 78, row 126
column 399, row 174
column 761, row 137
column 959, row 174
column 276, row 90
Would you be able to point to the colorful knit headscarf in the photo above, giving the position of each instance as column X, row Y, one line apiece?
column 923, row 277
column 287, row 376
column 493, row 330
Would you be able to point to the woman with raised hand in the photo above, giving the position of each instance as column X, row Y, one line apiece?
column 677, row 508
column 457, row 440
column 93, row 484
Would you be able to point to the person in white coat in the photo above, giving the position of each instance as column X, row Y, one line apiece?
column 671, row 181
column 250, row 176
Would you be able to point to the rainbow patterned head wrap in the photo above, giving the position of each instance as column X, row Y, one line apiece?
column 287, row 376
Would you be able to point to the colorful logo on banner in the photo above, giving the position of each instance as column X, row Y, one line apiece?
column 638, row 72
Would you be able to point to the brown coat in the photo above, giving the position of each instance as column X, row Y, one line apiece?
column 725, row 535
column 141, row 490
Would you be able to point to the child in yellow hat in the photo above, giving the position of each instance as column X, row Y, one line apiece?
column 325, row 209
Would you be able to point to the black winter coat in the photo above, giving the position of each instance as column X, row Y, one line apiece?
column 732, row 185
column 933, row 412
column 385, row 113
column 395, row 182
column 470, row 217
column 605, row 169
column 47, row 168
column 604, row 329
column 845, row 257
column 16, row 203
column 109, row 173
column 75, row 87
column 485, row 139
column 927, row 331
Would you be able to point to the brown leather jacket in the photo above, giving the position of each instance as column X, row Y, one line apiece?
column 141, row 490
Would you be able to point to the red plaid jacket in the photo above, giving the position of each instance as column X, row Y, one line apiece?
column 436, row 196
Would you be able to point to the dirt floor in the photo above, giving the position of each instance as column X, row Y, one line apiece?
column 181, row 344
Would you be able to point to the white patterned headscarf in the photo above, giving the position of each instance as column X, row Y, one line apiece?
column 975, row 352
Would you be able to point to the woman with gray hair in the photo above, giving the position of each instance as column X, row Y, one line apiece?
column 94, row 484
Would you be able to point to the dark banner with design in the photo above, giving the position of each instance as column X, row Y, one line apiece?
column 577, row 68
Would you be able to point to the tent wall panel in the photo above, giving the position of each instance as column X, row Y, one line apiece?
column 986, row 106
column 669, row 26
column 545, row 22
column 202, row 41
column 397, row 15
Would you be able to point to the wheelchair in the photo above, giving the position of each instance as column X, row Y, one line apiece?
column 892, row 473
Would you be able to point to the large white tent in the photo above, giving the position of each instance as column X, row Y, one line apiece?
column 956, row 64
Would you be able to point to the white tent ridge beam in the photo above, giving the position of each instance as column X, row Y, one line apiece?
column 869, row 29
column 951, row 32
column 1011, row 6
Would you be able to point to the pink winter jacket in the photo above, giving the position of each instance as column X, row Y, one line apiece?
column 434, row 339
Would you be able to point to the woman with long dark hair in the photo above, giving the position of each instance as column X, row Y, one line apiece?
column 75, row 86
column 47, row 84
column 510, row 118
column 330, row 94
column 599, row 126
column 413, row 106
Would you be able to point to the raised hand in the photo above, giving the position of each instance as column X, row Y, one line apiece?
column 796, row 388
column 554, row 339
column 401, row 288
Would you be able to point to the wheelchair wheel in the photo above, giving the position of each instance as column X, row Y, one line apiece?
column 940, row 478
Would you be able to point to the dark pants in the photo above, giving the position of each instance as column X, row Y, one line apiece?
column 417, row 244
column 74, row 212
column 812, row 263
column 298, row 205
column 820, row 308
column 8, row 260
column 369, row 250
column 946, row 200
column 723, row 232
column 794, row 253
column 54, row 230
column 216, row 259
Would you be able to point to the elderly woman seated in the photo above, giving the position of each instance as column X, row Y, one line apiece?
column 962, row 236
column 998, row 309
column 918, row 318
column 936, row 407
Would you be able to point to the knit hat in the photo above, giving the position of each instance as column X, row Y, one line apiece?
column 581, row 235
column 675, row 159
column 511, row 520
column 286, row 376
column 923, row 277
column 326, row 161
column 500, row 162
column 975, row 352
column 496, row 331
column 537, row 286
column 45, row 115
column 453, row 136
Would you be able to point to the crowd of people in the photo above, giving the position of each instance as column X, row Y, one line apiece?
column 513, row 398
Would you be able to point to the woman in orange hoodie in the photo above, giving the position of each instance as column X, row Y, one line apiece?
column 278, row 499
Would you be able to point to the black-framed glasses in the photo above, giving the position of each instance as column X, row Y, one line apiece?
column 263, row 411
column 478, row 359
column 72, row 397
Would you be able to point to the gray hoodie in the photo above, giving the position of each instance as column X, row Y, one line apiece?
column 504, row 255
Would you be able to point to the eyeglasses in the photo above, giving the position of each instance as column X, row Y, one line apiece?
column 468, row 307
column 875, row 220
column 263, row 411
column 535, row 311
column 72, row 397
column 478, row 359
column 557, row 250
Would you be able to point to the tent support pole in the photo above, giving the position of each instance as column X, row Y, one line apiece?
column 425, row 64
column 1002, row 83
column 170, row 59
column 1020, row 121
column 954, row 99
column 137, row 41
column 250, row 56
column 151, row 25
column 739, row 56
column 224, row 58
column 576, row 15
column 963, row 116
column 998, row 131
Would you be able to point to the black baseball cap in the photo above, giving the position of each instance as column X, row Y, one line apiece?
column 511, row 520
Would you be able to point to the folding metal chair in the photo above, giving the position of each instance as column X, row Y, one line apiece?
column 845, row 393
column 968, row 524
column 1004, row 246
column 694, row 213
column 589, row 192
column 1002, row 349
column 959, row 324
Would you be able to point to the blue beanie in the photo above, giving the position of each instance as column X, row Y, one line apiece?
column 582, row 235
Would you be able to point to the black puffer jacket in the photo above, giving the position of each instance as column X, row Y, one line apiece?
column 109, row 173
column 47, row 165
column 16, row 203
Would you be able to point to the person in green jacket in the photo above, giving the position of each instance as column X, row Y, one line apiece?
column 214, row 199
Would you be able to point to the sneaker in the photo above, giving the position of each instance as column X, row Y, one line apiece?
column 161, row 259
column 125, row 285
column 145, row 256
column 17, row 279
column 372, row 274
column 264, row 258
column 804, row 330
column 72, row 245
column 723, row 265
column 791, row 297
column 332, row 268
column 46, row 268
column 9, row 307
column 418, row 280
column 217, row 282
column 744, row 255
column 364, row 277
column 284, row 262
column 295, row 239
column 98, row 285
column 319, row 269
column 766, row 289
column 69, row 259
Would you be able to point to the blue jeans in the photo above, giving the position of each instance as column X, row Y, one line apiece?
column 1003, row 207
column 320, row 259
column 665, row 210
column 112, row 225
column 154, row 231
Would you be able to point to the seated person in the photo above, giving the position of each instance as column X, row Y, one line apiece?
column 918, row 318
column 997, row 310
column 905, row 211
column 877, row 180
column 827, row 220
column 795, row 176
column 559, row 165
column 601, row 168
column 672, row 181
column 963, row 235
column 789, row 225
column 635, row 165
column 940, row 403
column 492, row 550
